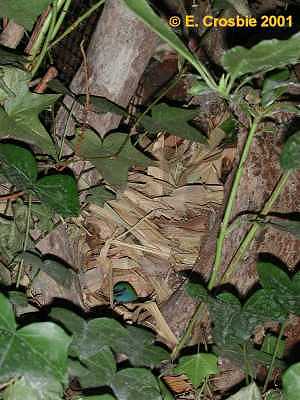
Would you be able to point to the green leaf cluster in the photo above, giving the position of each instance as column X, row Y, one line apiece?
column 36, row 354
column 94, row 346
column 58, row 192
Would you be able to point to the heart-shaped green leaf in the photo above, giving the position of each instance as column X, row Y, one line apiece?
column 173, row 120
column 60, row 193
column 197, row 367
column 136, row 383
column 264, row 56
column 290, row 156
column 18, row 165
column 36, row 352
column 19, row 118
column 291, row 382
column 112, row 157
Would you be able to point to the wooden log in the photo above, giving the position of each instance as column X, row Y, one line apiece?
column 118, row 54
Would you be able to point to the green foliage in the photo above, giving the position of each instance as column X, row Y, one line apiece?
column 102, row 105
column 265, row 56
column 283, row 223
column 197, row 367
column 99, row 195
column 269, row 345
column 290, row 156
column 19, row 116
column 36, row 352
column 58, row 192
column 274, row 86
column 23, row 12
column 291, row 382
column 112, row 156
column 9, row 57
column 173, row 120
column 234, row 324
column 89, row 338
column 250, row 392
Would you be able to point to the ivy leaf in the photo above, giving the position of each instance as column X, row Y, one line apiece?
column 112, row 157
column 97, row 397
column 23, row 12
column 18, row 165
column 37, row 352
column 102, row 105
column 19, row 116
column 291, row 382
column 90, row 337
column 272, row 277
column 101, row 369
column 250, row 392
column 40, row 390
column 59, row 192
column 285, row 224
column 99, row 195
column 136, row 383
column 9, row 57
column 266, row 55
column 197, row 367
column 290, row 156
column 274, row 86
column 173, row 120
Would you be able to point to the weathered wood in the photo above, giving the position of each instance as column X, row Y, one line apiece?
column 12, row 35
column 119, row 52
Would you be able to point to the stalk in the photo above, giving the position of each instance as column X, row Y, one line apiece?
column 43, row 53
column 255, row 228
column 270, row 371
column 76, row 23
column 231, row 203
column 61, row 17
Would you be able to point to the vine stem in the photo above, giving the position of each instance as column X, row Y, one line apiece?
column 270, row 371
column 76, row 23
column 224, row 225
column 255, row 228
column 231, row 203
column 49, row 36
column 20, row 269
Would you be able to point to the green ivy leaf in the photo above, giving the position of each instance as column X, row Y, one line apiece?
column 101, row 369
column 37, row 352
column 136, row 383
column 40, row 390
column 112, row 157
column 197, row 291
column 102, row 105
column 90, row 337
column 264, row 302
column 100, row 397
column 250, row 392
column 18, row 165
column 9, row 57
column 99, row 195
column 274, row 86
column 285, row 224
column 23, row 12
column 290, row 156
column 266, row 55
column 19, row 118
column 291, row 382
column 197, row 367
column 59, row 192
column 173, row 120
column 272, row 277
